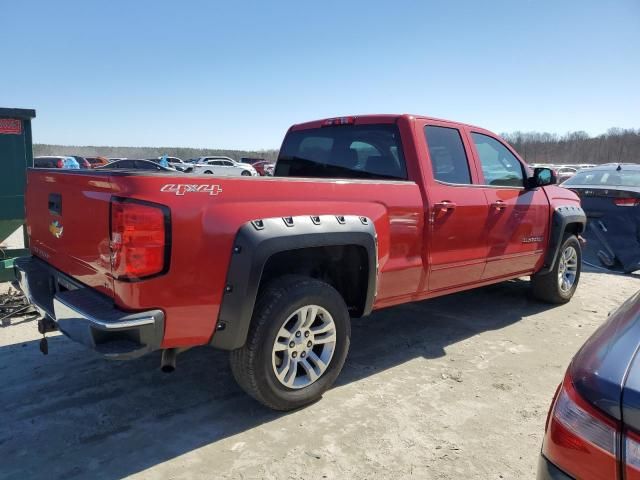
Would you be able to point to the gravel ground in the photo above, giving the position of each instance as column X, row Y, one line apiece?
column 456, row 387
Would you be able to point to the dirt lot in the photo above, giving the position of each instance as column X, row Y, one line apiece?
column 456, row 387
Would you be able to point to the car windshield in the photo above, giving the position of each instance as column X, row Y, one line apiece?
column 613, row 177
column 346, row 151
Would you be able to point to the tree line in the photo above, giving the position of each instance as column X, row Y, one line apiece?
column 616, row 145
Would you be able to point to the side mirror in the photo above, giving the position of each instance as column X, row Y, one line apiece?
column 541, row 177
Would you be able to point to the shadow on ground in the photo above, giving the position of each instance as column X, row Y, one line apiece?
column 72, row 414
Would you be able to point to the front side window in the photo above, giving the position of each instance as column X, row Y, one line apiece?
column 499, row 166
column 448, row 158
column 343, row 151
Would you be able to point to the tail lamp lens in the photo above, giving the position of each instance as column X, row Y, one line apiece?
column 581, row 440
column 139, row 239
column 330, row 122
column 626, row 202
column 584, row 426
column 632, row 456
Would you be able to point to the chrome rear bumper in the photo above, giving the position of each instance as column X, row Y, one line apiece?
column 87, row 316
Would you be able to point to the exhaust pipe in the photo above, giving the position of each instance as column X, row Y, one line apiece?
column 168, row 360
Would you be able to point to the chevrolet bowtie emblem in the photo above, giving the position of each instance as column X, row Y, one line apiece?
column 56, row 229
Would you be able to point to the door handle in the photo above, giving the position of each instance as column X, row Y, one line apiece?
column 445, row 205
column 499, row 205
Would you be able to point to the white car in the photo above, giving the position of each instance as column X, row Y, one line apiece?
column 176, row 163
column 223, row 167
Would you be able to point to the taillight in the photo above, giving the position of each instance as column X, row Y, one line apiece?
column 60, row 163
column 339, row 121
column 632, row 456
column 581, row 440
column 140, row 239
column 626, row 202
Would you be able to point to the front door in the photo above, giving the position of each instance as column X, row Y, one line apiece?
column 518, row 217
column 457, row 211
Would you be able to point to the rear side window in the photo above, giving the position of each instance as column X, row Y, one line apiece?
column 345, row 151
column 448, row 158
column 499, row 166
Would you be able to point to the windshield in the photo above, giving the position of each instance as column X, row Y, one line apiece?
column 620, row 178
column 345, row 151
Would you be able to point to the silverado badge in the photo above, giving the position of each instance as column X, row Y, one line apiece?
column 56, row 229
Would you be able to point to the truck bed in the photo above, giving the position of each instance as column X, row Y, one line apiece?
column 68, row 216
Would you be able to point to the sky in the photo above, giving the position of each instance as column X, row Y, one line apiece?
column 237, row 74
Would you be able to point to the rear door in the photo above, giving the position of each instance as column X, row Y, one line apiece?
column 68, row 223
column 457, row 211
column 518, row 221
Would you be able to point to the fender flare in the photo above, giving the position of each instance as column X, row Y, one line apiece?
column 560, row 219
column 258, row 240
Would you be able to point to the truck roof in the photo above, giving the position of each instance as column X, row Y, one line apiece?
column 377, row 118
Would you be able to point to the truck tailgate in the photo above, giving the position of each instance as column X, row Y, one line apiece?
column 68, row 223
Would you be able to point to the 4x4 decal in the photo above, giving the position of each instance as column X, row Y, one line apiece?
column 182, row 188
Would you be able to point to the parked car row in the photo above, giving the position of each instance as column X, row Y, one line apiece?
column 209, row 165
column 564, row 172
column 69, row 162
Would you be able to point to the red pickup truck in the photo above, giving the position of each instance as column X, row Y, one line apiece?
column 363, row 213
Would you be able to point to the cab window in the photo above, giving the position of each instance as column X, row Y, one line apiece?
column 448, row 158
column 368, row 151
column 500, row 167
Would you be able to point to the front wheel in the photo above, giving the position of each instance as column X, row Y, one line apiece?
column 559, row 285
column 209, row 172
column 297, row 343
column 246, row 173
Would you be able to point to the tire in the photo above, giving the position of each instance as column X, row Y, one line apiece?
column 209, row 172
column 547, row 287
column 254, row 366
column 246, row 173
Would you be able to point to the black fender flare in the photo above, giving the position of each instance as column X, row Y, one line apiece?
column 258, row 240
column 560, row 219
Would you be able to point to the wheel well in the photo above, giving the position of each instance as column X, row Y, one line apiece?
column 574, row 228
column 344, row 267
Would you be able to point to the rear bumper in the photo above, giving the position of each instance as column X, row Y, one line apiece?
column 85, row 315
column 548, row 471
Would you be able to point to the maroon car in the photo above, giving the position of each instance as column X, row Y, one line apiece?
column 260, row 167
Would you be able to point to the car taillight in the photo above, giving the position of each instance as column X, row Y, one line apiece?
column 581, row 440
column 140, row 239
column 632, row 456
column 626, row 202
column 60, row 163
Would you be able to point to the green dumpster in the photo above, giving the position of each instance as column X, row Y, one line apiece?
column 16, row 154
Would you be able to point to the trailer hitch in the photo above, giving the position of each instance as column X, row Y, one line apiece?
column 45, row 325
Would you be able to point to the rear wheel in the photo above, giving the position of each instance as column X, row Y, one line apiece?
column 297, row 343
column 209, row 172
column 559, row 285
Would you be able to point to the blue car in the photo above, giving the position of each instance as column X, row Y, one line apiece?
column 593, row 427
